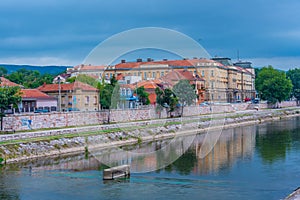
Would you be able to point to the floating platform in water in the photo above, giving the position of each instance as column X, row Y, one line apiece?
column 295, row 195
column 122, row 171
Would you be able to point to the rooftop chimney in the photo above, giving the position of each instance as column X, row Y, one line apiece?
column 123, row 61
column 139, row 60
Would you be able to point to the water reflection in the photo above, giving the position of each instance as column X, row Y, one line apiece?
column 233, row 144
column 264, row 145
column 271, row 141
column 275, row 141
column 9, row 187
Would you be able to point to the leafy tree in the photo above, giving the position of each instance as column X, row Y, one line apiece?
column 185, row 93
column 294, row 75
column 109, row 95
column 113, row 81
column 166, row 99
column 273, row 85
column 8, row 96
column 143, row 95
column 29, row 78
column 71, row 79
column 84, row 79
column 256, row 71
column 3, row 71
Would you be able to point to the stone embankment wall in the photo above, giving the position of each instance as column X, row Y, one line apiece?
column 27, row 150
column 74, row 119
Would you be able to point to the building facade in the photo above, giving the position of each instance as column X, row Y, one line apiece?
column 223, row 80
column 75, row 96
column 33, row 99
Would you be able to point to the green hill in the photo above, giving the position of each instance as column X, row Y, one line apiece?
column 41, row 69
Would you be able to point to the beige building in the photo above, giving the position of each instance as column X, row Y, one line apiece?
column 224, row 81
column 75, row 96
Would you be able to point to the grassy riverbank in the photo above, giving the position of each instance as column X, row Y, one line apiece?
column 132, row 133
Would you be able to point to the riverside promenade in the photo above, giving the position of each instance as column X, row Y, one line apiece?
column 102, row 127
column 233, row 116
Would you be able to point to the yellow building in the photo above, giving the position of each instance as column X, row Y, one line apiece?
column 75, row 96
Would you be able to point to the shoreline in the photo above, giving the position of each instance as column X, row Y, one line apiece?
column 243, row 121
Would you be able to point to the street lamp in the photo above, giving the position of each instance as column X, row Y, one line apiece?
column 59, row 94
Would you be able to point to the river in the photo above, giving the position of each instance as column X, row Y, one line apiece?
column 251, row 162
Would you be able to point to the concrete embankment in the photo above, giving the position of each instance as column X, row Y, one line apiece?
column 68, row 141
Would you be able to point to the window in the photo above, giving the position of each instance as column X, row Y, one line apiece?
column 203, row 74
column 95, row 100
column 145, row 75
column 134, row 73
column 212, row 72
column 212, row 97
column 212, row 85
column 139, row 73
column 162, row 74
column 87, row 100
column 153, row 75
column 128, row 92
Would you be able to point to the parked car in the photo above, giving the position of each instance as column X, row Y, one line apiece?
column 41, row 111
column 203, row 104
column 73, row 109
column 256, row 100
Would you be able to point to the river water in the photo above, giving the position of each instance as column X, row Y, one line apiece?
column 251, row 162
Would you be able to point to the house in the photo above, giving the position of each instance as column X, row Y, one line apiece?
column 62, row 78
column 173, row 77
column 75, row 96
column 97, row 71
column 4, row 82
column 127, row 96
column 33, row 100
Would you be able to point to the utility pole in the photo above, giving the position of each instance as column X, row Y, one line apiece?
column 59, row 94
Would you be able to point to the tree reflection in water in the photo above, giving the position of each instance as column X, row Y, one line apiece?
column 273, row 145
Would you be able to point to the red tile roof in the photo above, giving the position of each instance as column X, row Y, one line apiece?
column 148, row 84
column 66, row 87
column 173, row 77
column 182, row 63
column 190, row 76
column 6, row 82
column 130, row 86
column 34, row 94
column 90, row 67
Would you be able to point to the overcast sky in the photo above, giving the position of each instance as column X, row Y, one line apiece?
column 63, row 32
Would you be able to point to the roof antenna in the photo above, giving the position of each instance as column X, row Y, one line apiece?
column 238, row 55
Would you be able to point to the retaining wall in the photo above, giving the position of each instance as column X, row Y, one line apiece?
column 21, row 122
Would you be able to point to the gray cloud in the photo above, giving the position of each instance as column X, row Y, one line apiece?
column 51, row 28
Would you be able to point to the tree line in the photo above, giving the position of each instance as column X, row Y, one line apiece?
column 275, row 86
column 27, row 78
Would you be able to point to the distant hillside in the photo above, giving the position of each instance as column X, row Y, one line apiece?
column 41, row 69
